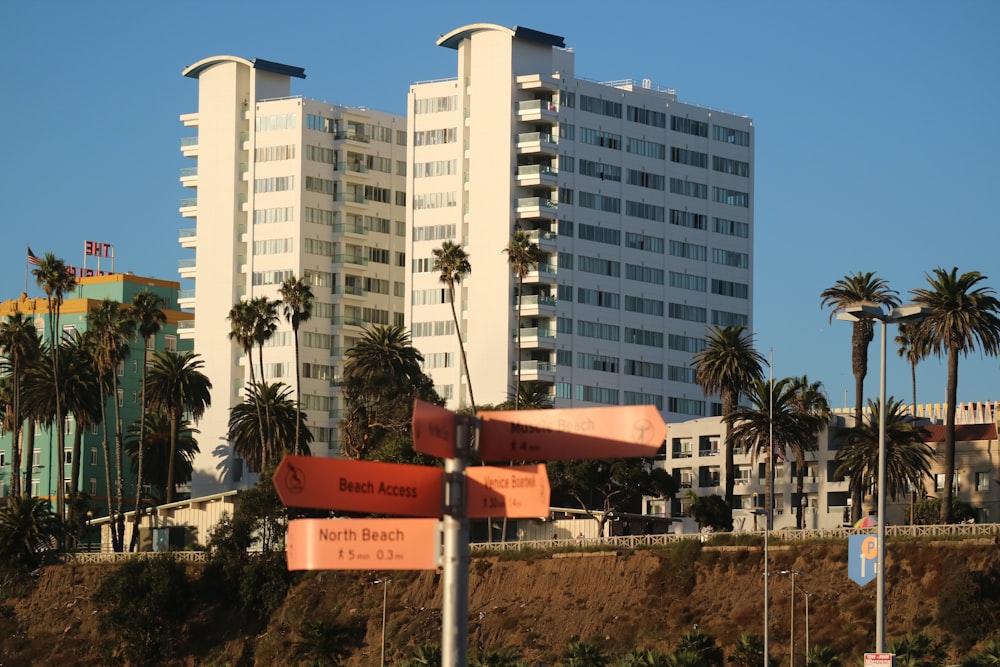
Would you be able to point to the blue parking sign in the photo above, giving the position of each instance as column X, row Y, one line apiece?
column 862, row 558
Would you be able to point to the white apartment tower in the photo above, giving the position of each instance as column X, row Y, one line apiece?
column 286, row 186
column 641, row 204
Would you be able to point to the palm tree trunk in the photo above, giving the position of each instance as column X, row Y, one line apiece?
column 298, row 392
column 15, row 461
column 517, row 349
column 949, row 437
column 107, row 468
column 119, row 477
column 74, row 475
column 800, row 463
column 461, row 347
column 913, row 379
column 134, row 541
column 728, row 406
column 266, row 430
column 29, row 448
column 174, row 421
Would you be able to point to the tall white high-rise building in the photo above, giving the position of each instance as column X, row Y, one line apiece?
column 642, row 206
column 286, row 186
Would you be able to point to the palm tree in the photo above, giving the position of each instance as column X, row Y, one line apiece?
column 963, row 315
column 148, row 316
column 499, row 657
column 748, row 651
column 703, row 645
column 21, row 346
column 727, row 366
column 583, row 654
column 265, row 323
column 453, row 264
column 531, row 396
column 154, row 433
column 272, row 398
column 56, row 279
column 852, row 290
column 822, row 656
column 809, row 402
column 382, row 376
column 917, row 650
column 425, row 655
column 908, row 350
column 81, row 392
column 112, row 329
column 177, row 386
column 523, row 256
column 27, row 526
column 644, row 657
column 297, row 297
column 908, row 456
column 241, row 323
column 772, row 406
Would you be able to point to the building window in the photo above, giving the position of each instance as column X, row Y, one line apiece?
column 93, row 456
column 68, row 456
column 689, row 126
column 982, row 481
column 92, row 485
column 170, row 343
column 36, row 458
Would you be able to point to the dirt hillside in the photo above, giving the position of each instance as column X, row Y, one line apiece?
column 627, row 599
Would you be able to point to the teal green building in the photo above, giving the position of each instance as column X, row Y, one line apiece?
column 44, row 462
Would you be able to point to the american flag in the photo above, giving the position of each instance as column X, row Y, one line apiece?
column 32, row 258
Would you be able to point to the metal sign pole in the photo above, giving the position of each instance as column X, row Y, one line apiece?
column 455, row 597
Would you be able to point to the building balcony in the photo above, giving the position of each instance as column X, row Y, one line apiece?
column 350, row 259
column 356, row 137
column 536, row 208
column 538, row 371
column 537, row 143
column 185, row 328
column 535, row 111
column 351, row 168
column 538, row 82
column 534, row 305
column 188, row 237
column 348, row 321
column 350, row 228
column 538, row 338
column 545, row 274
column 189, row 207
column 187, row 267
column 354, row 291
column 189, row 177
column 350, row 198
column 533, row 175
column 545, row 240
column 189, row 146
column 190, row 119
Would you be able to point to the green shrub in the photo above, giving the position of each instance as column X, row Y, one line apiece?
column 142, row 605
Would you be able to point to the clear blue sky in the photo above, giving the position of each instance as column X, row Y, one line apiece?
column 876, row 147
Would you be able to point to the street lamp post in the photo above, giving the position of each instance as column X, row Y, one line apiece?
column 791, row 649
column 385, row 597
column 907, row 313
column 806, row 594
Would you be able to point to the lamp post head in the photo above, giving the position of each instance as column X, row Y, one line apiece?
column 792, row 572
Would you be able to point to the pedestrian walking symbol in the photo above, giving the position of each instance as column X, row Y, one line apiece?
column 862, row 558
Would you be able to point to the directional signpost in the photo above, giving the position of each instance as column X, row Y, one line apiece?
column 862, row 558
column 455, row 494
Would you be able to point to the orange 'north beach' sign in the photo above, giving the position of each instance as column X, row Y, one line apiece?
column 571, row 433
column 362, row 544
column 360, row 486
